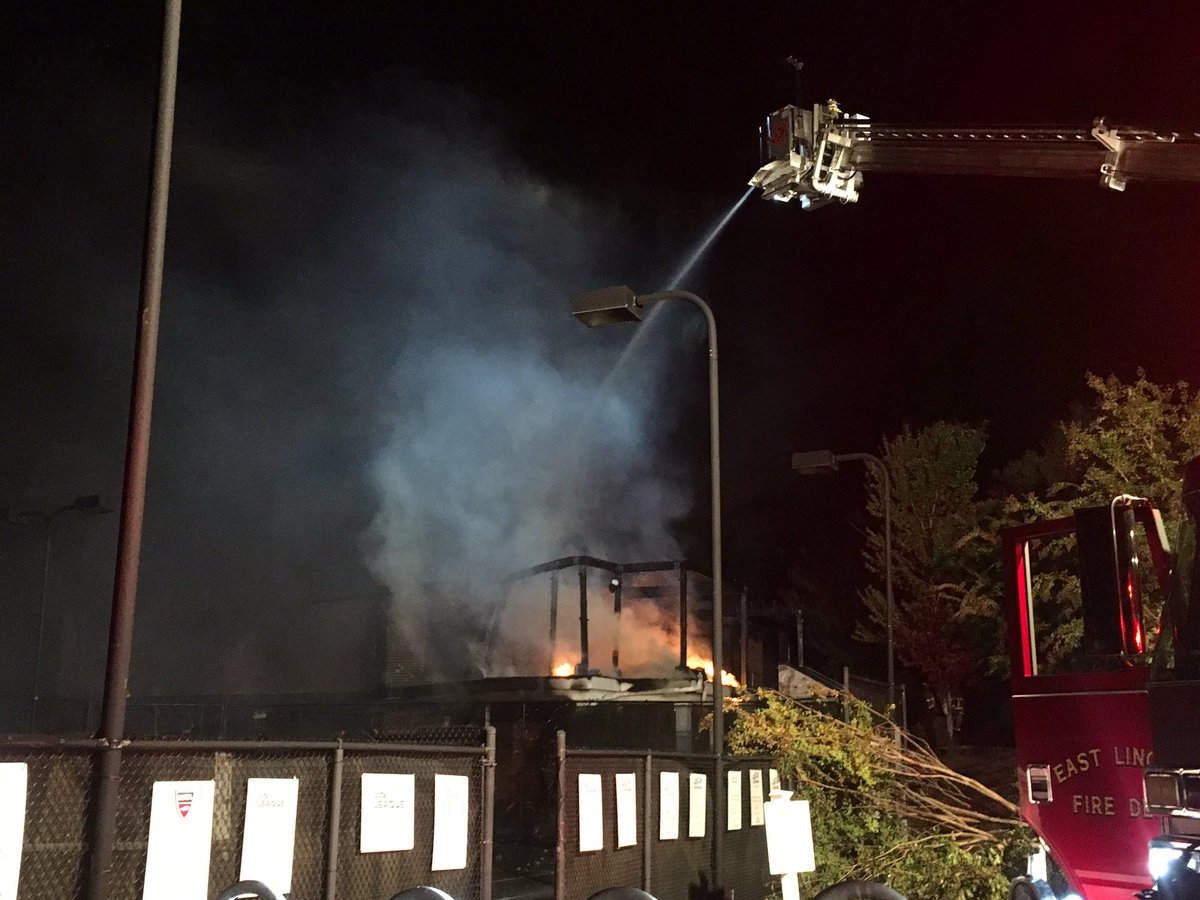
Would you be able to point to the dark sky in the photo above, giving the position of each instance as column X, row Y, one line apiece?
column 367, row 378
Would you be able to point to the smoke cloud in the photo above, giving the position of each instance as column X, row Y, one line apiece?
column 503, row 449
column 372, row 401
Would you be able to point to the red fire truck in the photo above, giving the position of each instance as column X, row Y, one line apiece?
column 1082, row 720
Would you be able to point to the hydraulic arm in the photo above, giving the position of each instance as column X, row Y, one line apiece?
column 818, row 155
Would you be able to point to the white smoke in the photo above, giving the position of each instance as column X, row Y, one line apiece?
column 499, row 452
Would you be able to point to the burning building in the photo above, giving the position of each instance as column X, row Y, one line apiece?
column 614, row 653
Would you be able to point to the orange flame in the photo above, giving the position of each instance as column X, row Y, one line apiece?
column 699, row 662
column 563, row 669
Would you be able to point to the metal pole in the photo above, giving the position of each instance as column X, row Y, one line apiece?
column 800, row 638
column 683, row 614
column 714, row 451
column 553, row 620
column 891, row 600
column 744, row 637
column 489, row 806
column 583, row 622
column 647, row 820
column 560, row 841
column 37, row 653
column 335, row 822
column 133, row 494
column 616, row 651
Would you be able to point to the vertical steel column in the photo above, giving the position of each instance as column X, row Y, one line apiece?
column 335, row 822
column 560, row 841
column 616, row 653
column 583, row 621
column 744, row 637
column 489, row 806
column 683, row 614
column 553, row 619
column 137, row 453
column 647, row 820
column 719, row 820
column 799, row 639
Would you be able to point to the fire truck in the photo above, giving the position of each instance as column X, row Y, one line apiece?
column 1107, row 750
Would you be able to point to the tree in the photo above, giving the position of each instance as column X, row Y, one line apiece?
column 882, row 810
column 942, row 557
column 1134, row 442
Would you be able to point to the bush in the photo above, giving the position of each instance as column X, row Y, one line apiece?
column 884, row 808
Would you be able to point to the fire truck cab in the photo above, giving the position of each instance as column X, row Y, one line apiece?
column 1080, row 707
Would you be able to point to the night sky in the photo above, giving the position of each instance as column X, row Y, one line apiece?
column 370, row 389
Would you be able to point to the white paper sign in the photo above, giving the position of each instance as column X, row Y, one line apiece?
column 626, row 809
column 668, row 806
column 450, row 803
column 773, row 780
column 591, row 814
column 756, row 797
column 386, row 812
column 789, row 836
column 177, row 854
column 734, row 801
column 269, row 835
column 697, row 804
column 14, row 781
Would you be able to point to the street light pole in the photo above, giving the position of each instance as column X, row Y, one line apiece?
column 615, row 305
column 85, row 504
column 137, row 452
column 822, row 461
column 88, row 504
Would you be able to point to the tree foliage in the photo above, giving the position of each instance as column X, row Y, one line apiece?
column 883, row 810
column 1134, row 441
column 942, row 557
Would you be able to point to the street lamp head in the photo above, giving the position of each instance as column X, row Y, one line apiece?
column 89, row 505
column 814, row 462
column 608, row 306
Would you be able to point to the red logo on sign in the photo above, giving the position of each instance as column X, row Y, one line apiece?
column 779, row 133
column 183, row 803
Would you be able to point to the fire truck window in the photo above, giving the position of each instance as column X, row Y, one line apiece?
column 1099, row 634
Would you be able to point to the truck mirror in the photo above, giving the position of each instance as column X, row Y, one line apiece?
column 1110, row 582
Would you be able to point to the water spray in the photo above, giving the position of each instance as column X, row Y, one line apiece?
column 639, row 334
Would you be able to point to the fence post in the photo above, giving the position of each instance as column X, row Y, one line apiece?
column 560, row 843
column 647, row 820
column 846, row 693
column 335, row 822
column 718, row 843
column 489, row 805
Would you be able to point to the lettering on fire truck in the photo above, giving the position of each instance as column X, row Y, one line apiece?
column 1103, row 804
column 1136, row 757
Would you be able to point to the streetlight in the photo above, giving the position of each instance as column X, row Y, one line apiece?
column 820, row 462
column 618, row 305
column 86, row 505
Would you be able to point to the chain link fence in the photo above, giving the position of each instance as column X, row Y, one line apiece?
column 327, row 861
column 671, row 854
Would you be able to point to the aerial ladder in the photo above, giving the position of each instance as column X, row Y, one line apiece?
column 818, row 156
